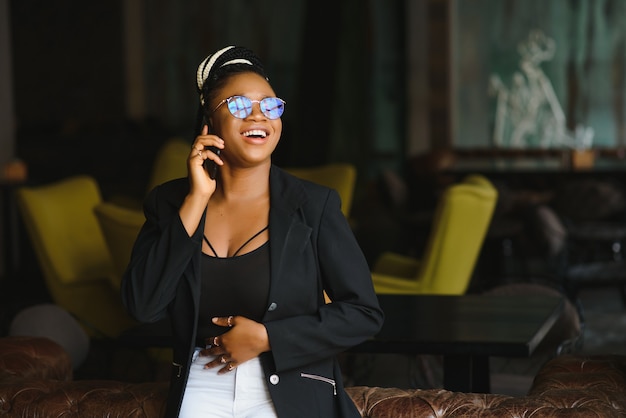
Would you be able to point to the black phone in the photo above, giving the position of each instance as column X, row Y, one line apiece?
column 211, row 166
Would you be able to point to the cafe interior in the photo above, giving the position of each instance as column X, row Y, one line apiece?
column 479, row 149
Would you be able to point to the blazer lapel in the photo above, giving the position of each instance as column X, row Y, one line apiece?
column 287, row 231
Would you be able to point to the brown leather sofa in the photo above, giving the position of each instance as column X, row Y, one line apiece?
column 36, row 381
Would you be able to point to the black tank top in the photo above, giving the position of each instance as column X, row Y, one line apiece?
column 237, row 285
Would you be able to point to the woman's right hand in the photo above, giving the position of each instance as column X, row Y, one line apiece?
column 200, row 182
column 201, row 186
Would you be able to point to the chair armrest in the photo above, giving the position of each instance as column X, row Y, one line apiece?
column 384, row 284
column 397, row 265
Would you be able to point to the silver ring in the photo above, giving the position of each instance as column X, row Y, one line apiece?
column 215, row 342
column 223, row 360
column 200, row 154
column 230, row 321
column 231, row 366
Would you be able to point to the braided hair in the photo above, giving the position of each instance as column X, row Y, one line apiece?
column 215, row 70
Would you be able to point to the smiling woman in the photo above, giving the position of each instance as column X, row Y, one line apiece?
column 241, row 256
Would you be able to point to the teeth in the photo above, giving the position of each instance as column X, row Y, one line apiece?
column 256, row 132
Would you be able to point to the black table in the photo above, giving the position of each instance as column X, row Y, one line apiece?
column 465, row 330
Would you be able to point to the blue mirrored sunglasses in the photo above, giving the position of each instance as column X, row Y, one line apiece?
column 241, row 106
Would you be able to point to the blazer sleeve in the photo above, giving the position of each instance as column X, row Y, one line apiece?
column 354, row 314
column 162, row 253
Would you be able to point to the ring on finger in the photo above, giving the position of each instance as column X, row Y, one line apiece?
column 200, row 154
column 230, row 321
column 223, row 360
column 231, row 366
column 215, row 342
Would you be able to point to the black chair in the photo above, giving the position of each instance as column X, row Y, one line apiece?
column 593, row 214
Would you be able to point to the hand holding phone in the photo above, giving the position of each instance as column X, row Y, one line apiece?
column 209, row 165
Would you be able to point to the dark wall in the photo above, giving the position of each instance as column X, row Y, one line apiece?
column 69, row 75
column 68, row 72
column 68, row 61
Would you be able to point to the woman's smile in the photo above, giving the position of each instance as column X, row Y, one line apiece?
column 255, row 136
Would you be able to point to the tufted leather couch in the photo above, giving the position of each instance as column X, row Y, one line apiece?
column 36, row 381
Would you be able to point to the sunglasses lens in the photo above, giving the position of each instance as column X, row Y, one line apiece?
column 240, row 106
column 272, row 107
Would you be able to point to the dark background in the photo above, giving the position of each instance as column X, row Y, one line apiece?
column 70, row 91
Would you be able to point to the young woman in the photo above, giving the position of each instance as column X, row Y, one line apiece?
column 240, row 264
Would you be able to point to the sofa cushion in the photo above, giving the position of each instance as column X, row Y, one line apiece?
column 597, row 381
column 33, row 358
column 374, row 402
column 82, row 398
column 51, row 321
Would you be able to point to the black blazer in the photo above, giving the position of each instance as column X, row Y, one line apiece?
column 312, row 249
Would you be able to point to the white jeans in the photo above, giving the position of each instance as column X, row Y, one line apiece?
column 241, row 393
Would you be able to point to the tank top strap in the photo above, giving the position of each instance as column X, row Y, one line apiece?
column 242, row 246
column 210, row 246
column 250, row 239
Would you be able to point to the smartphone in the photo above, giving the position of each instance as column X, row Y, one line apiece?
column 209, row 165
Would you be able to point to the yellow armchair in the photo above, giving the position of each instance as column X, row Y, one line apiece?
column 462, row 217
column 338, row 176
column 170, row 162
column 120, row 227
column 72, row 252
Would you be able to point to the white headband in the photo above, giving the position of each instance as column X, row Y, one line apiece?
column 204, row 69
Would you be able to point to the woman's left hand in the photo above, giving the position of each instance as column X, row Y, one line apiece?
column 244, row 340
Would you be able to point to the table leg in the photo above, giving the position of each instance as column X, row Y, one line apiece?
column 466, row 373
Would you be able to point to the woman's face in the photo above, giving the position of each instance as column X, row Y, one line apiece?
column 253, row 139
